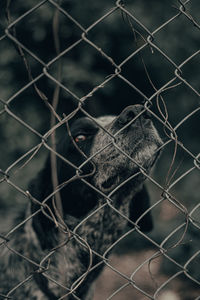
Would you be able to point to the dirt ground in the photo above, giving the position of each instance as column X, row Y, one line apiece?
column 148, row 279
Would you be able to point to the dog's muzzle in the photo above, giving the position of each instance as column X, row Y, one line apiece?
column 135, row 144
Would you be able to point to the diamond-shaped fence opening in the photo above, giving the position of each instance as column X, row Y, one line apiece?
column 62, row 60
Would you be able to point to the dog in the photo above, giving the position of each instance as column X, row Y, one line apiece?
column 58, row 254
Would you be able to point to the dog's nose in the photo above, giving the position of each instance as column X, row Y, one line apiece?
column 130, row 112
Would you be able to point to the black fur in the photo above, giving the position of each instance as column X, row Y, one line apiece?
column 113, row 160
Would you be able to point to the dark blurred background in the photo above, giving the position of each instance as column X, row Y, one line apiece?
column 81, row 70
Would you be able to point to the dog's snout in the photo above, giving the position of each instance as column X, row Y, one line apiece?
column 132, row 112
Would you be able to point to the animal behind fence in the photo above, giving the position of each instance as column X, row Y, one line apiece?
column 59, row 253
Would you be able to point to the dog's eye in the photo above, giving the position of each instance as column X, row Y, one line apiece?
column 80, row 138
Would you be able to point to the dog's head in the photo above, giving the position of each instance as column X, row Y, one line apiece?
column 119, row 147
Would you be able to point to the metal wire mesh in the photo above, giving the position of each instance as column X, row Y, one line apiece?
column 155, row 272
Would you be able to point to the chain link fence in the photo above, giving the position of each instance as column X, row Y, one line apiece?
column 61, row 59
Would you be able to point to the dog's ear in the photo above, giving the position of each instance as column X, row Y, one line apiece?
column 139, row 204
